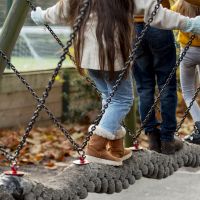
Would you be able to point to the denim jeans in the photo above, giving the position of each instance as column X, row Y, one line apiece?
column 121, row 101
column 155, row 59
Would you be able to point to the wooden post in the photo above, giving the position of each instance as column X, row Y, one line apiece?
column 11, row 28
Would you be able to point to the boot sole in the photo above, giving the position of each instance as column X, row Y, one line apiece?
column 171, row 152
column 193, row 142
column 126, row 157
column 103, row 161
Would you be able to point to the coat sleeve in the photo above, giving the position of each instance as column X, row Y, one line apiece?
column 164, row 19
column 58, row 13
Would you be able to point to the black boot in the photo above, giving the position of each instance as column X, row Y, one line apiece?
column 170, row 147
column 154, row 140
column 194, row 138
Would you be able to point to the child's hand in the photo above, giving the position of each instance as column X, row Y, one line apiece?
column 193, row 25
column 38, row 16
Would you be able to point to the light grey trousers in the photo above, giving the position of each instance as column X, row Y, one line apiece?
column 188, row 75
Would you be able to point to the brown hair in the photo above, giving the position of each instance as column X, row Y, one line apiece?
column 114, row 29
column 187, row 9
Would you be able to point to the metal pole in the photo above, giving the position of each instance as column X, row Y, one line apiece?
column 11, row 28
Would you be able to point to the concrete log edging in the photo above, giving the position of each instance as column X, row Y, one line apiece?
column 75, row 182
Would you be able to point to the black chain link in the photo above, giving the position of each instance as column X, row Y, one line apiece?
column 173, row 72
column 6, row 154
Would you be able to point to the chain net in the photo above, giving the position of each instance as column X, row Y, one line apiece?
column 12, row 157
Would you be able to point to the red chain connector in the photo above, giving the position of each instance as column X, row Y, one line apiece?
column 136, row 146
column 82, row 161
column 14, row 170
column 82, row 158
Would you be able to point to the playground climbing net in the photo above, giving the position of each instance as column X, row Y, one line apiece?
column 12, row 157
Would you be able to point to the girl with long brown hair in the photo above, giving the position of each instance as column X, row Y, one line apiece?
column 102, row 46
column 189, row 65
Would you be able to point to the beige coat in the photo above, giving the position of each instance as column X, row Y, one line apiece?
column 140, row 18
column 165, row 19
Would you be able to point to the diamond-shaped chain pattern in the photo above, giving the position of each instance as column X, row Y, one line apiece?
column 42, row 100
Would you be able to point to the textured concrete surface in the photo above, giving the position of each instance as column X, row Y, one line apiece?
column 183, row 185
column 76, row 182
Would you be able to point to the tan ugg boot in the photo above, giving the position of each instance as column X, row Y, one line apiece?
column 97, row 152
column 116, row 147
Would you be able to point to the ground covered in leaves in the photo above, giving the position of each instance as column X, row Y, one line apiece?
column 45, row 146
column 49, row 147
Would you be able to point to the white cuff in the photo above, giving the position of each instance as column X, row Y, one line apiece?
column 102, row 132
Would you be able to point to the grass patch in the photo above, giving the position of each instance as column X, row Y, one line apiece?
column 26, row 64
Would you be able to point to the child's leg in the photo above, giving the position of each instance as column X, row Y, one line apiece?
column 164, row 62
column 163, row 55
column 188, row 84
column 145, row 77
column 187, row 77
column 100, row 84
column 121, row 102
column 109, row 128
